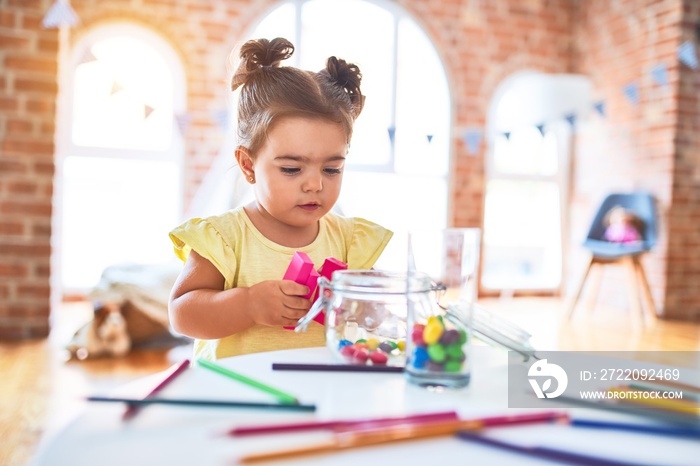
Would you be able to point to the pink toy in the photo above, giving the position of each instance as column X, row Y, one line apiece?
column 330, row 265
column 301, row 270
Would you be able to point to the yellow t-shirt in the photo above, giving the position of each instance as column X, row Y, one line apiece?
column 245, row 257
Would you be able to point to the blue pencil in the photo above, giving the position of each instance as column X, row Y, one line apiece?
column 663, row 430
column 543, row 452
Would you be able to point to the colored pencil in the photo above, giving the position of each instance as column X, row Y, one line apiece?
column 279, row 366
column 203, row 403
column 173, row 372
column 543, row 452
column 280, row 395
column 680, row 406
column 648, row 386
column 666, row 416
column 338, row 425
column 354, row 439
column 642, row 428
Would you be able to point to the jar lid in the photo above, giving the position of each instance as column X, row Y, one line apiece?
column 379, row 281
column 496, row 330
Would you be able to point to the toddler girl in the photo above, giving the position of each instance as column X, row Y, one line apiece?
column 294, row 130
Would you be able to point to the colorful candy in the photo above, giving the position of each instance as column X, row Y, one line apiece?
column 370, row 350
column 437, row 348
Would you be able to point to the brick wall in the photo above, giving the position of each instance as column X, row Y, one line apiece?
column 28, row 66
column 481, row 43
column 682, row 294
column 632, row 146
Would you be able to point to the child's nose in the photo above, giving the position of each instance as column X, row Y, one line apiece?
column 313, row 183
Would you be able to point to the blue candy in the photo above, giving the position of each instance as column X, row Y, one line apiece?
column 420, row 357
column 343, row 343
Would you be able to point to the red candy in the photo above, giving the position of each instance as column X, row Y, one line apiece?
column 379, row 357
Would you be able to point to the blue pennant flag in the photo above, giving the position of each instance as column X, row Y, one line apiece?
column 392, row 134
column 60, row 14
column 631, row 91
column 88, row 57
column 540, row 128
column 507, row 135
column 600, row 107
column 571, row 119
column 183, row 121
column 222, row 118
column 430, row 138
column 688, row 55
column 472, row 139
column 659, row 74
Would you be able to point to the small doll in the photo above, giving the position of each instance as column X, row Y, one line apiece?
column 623, row 226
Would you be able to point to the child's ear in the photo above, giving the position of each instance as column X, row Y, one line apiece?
column 245, row 162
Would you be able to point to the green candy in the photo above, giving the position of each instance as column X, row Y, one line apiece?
column 455, row 351
column 361, row 340
column 453, row 366
column 462, row 337
column 436, row 353
column 393, row 344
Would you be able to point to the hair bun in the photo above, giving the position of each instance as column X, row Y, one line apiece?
column 259, row 54
column 348, row 76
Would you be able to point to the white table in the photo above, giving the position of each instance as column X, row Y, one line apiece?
column 181, row 435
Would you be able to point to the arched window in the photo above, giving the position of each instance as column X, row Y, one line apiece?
column 396, row 172
column 119, row 152
column 527, row 180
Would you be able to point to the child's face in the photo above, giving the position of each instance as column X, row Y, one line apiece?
column 299, row 169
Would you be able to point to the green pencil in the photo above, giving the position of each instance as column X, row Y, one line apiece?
column 283, row 397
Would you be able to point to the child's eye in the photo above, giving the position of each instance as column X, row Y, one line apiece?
column 332, row 171
column 290, row 170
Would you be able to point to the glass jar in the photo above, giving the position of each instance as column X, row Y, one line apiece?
column 438, row 346
column 366, row 314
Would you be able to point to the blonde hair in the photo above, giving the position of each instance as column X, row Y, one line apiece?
column 270, row 91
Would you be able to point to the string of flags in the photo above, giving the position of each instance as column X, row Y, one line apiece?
column 61, row 14
column 687, row 54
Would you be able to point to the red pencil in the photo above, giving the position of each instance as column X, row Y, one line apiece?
column 173, row 372
column 339, row 425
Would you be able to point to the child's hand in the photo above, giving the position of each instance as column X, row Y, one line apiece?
column 278, row 302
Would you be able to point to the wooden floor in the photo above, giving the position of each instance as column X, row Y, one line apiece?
column 40, row 392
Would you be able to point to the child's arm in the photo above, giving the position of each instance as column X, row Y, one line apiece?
column 200, row 308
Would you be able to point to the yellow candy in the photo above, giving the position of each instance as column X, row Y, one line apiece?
column 434, row 320
column 402, row 345
column 372, row 344
column 432, row 333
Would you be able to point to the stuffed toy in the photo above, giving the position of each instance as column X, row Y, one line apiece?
column 622, row 226
column 105, row 335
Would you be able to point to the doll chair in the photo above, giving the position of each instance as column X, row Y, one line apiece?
column 603, row 252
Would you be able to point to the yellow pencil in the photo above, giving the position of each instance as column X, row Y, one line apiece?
column 671, row 404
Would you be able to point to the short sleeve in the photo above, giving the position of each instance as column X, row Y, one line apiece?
column 201, row 236
column 367, row 243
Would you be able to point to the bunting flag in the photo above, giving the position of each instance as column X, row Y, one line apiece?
column 116, row 87
column 600, row 107
column 688, row 55
column 222, row 118
column 88, row 57
column 183, row 120
column 540, row 128
column 631, row 91
column 507, row 135
column 659, row 74
column 147, row 110
column 571, row 119
column 60, row 14
column 472, row 139
column 392, row 134
column 430, row 138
